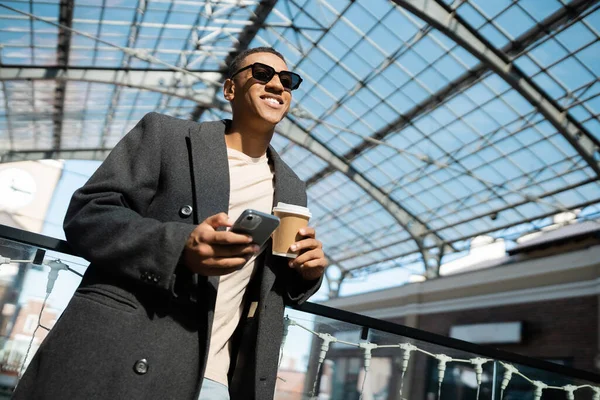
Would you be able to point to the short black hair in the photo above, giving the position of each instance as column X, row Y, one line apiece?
column 235, row 65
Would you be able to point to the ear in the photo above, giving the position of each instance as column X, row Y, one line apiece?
column 229, row 89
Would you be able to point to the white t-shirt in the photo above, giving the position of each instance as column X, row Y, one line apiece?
column 251, row 186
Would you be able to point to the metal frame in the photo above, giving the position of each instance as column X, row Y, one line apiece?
column 153, row 80
column 446, row 20
column 62, row 52
column 417, row 229
column 560, row 17
column 263, row 9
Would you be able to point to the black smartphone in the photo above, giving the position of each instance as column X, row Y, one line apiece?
column 257, row 224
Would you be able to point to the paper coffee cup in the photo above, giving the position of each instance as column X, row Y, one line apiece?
column 292, row 218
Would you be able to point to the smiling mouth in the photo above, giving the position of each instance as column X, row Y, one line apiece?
column 273, row 102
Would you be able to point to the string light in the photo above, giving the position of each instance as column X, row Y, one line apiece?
column 538, row 387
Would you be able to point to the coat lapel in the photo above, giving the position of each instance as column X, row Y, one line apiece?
column 210, row 181
column 210, row 169
column 286, row 183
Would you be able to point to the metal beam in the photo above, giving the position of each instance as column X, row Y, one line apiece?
column 550, row 23
column 116, row 93
column 443, row 18
column 65, row 20
column 45, row 154
column 6, row 104
column 417, row 230
column 112, row 69
column 142, row 79
column 262, row 11
column 151, row 81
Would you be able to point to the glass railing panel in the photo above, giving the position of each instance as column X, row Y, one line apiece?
column 35, row 287
column 336, row 360
column 516, row 381
column 325, row 358
column 323, row 354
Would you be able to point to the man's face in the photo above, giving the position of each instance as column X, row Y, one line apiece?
column 255, row 100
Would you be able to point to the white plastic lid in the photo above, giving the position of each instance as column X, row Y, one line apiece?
column 292, row 209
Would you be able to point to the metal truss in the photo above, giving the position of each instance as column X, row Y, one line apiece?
column 262, row 11
column 34, row 155
column 199, row 86
column 447, row 21
column 133, row 36
column 417, row 229
column 294, row 132
column 559, row 18
column 470, row 77
column 65, row 15
column 153, row 80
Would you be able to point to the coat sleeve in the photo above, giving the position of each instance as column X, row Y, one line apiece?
column 105, row 220
column 297, row 289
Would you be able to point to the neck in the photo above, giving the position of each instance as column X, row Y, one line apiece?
column 249, row 139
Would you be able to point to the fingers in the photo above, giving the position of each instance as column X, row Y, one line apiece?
column 311, row 262
column 314, row 257
column 306, row 244
column 311, row 269
column 223, row 238
column 209, row 251
column 217, row 220
column 307, row 231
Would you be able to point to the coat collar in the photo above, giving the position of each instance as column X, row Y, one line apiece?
column 208, row 153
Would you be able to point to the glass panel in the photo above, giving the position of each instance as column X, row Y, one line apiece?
column 321, row 357
column 32, row 299
column 324, row 358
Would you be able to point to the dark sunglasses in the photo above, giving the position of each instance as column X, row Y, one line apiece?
column 264, row 73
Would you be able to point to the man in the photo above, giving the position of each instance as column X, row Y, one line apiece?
column 173, row 306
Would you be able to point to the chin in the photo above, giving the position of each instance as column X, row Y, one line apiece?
column 271, row 118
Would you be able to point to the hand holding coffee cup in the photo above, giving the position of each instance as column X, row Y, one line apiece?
column 292, row 218
column 296, row 240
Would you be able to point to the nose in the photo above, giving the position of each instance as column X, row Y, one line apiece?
column 275, row 84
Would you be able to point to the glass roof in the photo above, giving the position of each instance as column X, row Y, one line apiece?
column 423, row 137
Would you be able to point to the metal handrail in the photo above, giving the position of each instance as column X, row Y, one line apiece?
column 366, row 323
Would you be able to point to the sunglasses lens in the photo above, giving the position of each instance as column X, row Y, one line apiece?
column 262, row 73
column 286, row 79
column 290, row 80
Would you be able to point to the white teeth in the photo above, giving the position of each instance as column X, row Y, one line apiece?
column 271, row 100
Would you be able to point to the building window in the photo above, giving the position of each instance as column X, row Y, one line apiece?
column 30, row 324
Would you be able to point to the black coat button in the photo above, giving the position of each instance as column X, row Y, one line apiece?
column 141, row 366
column 185, row 211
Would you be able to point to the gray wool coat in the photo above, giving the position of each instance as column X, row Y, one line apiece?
column 139, row 324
